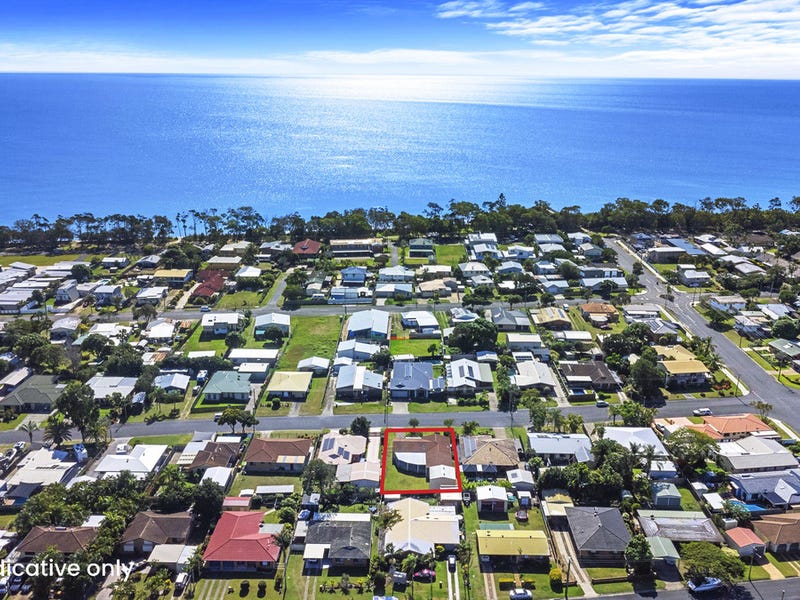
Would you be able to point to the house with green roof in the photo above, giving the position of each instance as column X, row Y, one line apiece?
column 228, row 386
column 38, row 393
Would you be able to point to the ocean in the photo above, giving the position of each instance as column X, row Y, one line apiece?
column 158, row 144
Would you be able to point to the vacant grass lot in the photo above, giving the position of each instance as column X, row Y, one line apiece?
column 311, row 336
column 415, row 347
column 199, row 341
column 243, row 299
column 39, row 260
column 450, row 254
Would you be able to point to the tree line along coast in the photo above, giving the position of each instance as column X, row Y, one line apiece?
column 730, row 217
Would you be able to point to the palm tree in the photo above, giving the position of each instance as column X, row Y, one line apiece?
column 30, row 427
column 649, row 455
column 57, row 430
column 613, row 412
column 636, row 450
column 409, row 566
column 556, row 418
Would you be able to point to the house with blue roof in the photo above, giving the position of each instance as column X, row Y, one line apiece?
column 414, row 380
column 369, row 324
column 354, row 275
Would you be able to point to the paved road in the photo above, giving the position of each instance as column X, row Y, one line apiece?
column 761, row 385
column 757, row 590
column 590, row 413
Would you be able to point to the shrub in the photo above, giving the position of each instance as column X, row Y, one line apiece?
column 262, row 585
column 555, row 579
column 278, row 581
column 506, row 584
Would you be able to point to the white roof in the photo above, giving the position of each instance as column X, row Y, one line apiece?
column 491, row 492
column 278, row 319
column 373, row 320
column 533, row 372
column 140, row 461
column 643, row 436
column 210, row 319
column 423, row 318
column 219, row 475
column 313, row 362
column 105, row 385
column 243, row 354
column 249, row 272
column 42, row 466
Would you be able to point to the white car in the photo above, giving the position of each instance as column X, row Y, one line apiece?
column 601, row 404
column 709, row 584
column 702, row 412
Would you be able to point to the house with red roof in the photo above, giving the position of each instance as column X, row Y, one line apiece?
column 238, row 544
column 308, row 248
column 745, row 541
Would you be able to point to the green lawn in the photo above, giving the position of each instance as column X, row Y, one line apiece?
column 394, row 479
column 179, row 439
column 311, row 336
column 242, row 482
column 416, row 347
column 313, row 403
column 243, row 299
column 519, row 433
column 13, row 423
column 198, row 341
column 360, row 408
column 781, row 563
column 450, row 254
column 760, row 360
column 758, row 572
column 7, row 520
column 39, row 260
column 688, row 502
column 540, row 577
column 434, row 407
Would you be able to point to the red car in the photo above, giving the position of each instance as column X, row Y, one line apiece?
column 425, row 575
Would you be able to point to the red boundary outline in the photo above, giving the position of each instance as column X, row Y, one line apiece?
column 449, row 430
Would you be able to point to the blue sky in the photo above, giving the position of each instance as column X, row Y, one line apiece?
column 541, row 38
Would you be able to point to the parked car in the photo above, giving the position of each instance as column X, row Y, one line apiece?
column 709, row 584
column 702, row 412
column 181, row 581
column 16, row 584
column 205, row 309
column 4, row 586
column 425, row 575
column 601, row 404
column 304, row 515
column 520, row 594
column 451, row 562
column 521, row 515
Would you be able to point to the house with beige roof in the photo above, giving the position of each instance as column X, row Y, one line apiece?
column 684, row 373
column 341, row 448
column 290, row 385
column 422, row 527
column 781, row 532
column 277, row 455
column 484, row 456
